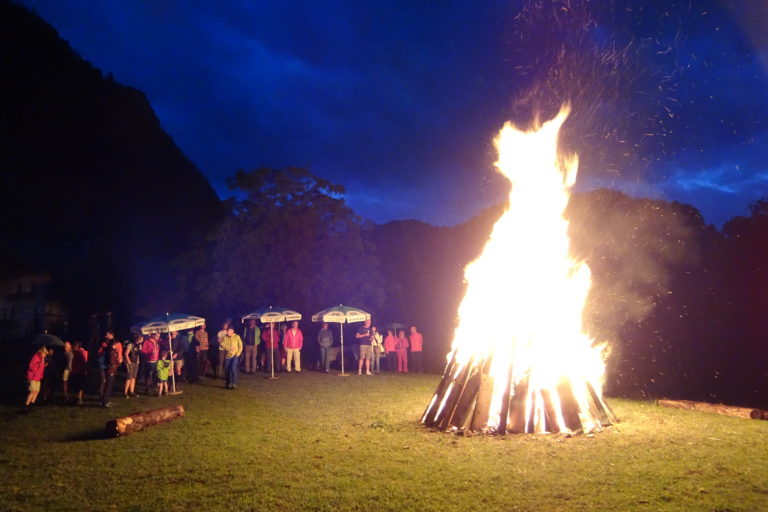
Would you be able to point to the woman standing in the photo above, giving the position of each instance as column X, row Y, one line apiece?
column 401, row 345
column 377, row 345
column 390, row 347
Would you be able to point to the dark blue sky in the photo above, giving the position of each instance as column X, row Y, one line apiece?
column 398, row 100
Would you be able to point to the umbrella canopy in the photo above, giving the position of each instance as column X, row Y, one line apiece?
column 341, row 314
column 165, row 323
column 396, row 326
column 270, row 314
column 49, row 340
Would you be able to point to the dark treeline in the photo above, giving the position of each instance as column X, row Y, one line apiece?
column 99, row 196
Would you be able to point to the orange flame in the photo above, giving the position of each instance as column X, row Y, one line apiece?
column 525, row 295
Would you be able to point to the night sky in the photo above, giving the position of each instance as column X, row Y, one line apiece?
column 399, row 100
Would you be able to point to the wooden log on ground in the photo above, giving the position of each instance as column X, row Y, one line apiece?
column 727, row 410
column 141, row 420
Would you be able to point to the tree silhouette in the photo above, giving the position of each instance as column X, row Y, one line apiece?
column 289, row 240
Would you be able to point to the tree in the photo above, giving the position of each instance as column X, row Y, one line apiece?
column 289, row 240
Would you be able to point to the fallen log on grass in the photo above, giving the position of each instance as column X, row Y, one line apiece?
column 141, row 420
column 727, row 410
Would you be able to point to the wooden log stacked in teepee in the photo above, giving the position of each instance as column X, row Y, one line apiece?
column 463, row 397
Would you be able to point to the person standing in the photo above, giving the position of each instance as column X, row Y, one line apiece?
column 417, row 342
column 179, row 346
column 35, row 370
column 390, row 347
column 150, row 351
column 79, row 371
column 363, row 337
column 163, row 370
column 132, row 363
column 190, row 359
column 201, row 348
column 219, row 369
column 232, row 346
column 67, row 369
column 269, row 336
column 377, row 349
column 251, row 342
column 112, row 362
column 401, row 347
column 325, row 340
column 293, row 341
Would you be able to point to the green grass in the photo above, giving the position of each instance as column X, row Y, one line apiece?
column 311, row 441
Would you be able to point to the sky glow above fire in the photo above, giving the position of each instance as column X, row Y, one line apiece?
column 399, row 100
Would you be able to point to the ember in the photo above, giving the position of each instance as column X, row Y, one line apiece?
column 520, row 361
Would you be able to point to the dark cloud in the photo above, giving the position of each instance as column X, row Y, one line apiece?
column 399, row 100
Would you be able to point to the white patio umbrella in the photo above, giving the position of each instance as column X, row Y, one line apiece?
column 341, row 315
column 271, row 315
column 167, row 323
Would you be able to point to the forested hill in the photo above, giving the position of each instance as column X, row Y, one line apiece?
column 91, row 183
column 680, row 304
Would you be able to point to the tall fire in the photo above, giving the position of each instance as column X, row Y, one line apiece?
column 520, row 360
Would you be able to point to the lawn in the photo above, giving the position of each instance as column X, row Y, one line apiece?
column 312, row 441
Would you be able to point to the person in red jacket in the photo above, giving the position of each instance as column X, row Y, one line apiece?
column 150, row 351
column 270, row 337
column 79, row 371
column 35, row 371
column 293, row 341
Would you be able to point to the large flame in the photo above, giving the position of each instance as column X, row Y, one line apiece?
column 522, row 312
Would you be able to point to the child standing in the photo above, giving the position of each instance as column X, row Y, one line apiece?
column 163, row 371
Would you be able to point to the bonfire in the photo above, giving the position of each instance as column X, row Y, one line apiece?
column 520, row 360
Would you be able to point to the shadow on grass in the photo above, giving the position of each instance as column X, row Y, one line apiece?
column 90, row 435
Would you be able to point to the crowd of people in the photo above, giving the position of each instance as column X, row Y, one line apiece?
column 154, row 359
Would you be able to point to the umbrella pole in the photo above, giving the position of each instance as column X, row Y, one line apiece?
column 272, row 350
column 341, row 330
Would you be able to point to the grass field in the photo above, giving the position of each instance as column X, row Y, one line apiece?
column 312, row 441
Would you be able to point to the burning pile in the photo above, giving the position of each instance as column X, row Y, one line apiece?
column 520, row 361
